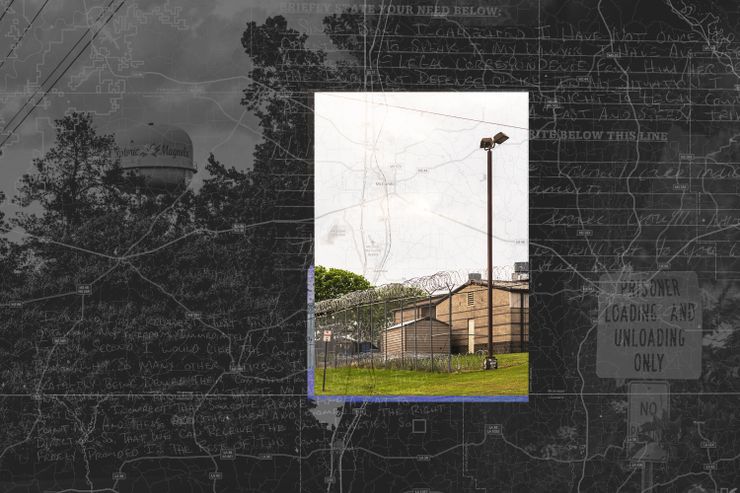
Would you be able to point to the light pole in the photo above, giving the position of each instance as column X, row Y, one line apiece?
column 488, row 143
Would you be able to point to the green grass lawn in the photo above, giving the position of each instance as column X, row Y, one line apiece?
column 511, row 378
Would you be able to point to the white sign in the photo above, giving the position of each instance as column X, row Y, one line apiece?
column 649, row 326
column 327, row 335
column 648, row 402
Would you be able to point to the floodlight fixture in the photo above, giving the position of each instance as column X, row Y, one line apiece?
column 500, row 138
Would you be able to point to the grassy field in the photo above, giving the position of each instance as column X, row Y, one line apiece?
column 511, row 378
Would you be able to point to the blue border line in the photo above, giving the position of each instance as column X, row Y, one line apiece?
column 311, row 393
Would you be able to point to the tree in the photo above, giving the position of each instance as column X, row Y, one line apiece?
column 333, row 283
column 280, row 93
column 74, row 179
column 150, row 260
column 10, row 273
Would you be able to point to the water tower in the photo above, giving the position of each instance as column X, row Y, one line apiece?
column 161, row 154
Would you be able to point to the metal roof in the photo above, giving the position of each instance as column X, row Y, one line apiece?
column 397, row 326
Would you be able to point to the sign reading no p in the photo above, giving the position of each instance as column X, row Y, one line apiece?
column 649, row 406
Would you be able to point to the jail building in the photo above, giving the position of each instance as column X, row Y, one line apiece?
column 458, row 321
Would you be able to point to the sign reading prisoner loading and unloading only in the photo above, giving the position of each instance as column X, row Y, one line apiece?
column 649, row 326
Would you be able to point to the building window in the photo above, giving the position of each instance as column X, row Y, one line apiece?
column 471, row 299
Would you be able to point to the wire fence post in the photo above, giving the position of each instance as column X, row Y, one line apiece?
column 416, row 338
column 449, row 342
column 337, row 338
column 318, row 329
column 356, row 348
column 431, row 333
column 385, row 323
column 403, row 337
column 371, row 306
column 346, row 332
column 326, row 350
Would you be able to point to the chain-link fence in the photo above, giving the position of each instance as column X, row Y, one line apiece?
column 435, row 323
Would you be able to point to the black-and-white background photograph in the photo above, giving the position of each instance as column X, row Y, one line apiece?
column 157, row 233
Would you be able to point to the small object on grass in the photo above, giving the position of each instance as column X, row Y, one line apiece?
column 490, row 363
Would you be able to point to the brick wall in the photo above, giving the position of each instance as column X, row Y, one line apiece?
column 506, row 329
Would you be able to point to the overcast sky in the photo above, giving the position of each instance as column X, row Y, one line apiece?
column 401, row 182
column 179, row 62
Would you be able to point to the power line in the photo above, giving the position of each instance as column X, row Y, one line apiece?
column 51, row 73
column 23, row 34
column 61, row 75
column 6, row 10
column 428, row 111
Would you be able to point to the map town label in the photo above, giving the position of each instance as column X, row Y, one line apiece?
column 649, row 326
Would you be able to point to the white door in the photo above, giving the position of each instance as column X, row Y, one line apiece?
column 471, row 335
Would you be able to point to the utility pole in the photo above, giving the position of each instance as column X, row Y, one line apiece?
column 489, row 357
column 488, row 144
